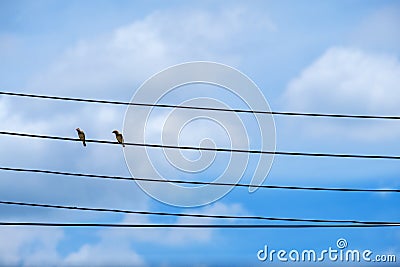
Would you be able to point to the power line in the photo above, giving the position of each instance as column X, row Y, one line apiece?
column 202, row 108
column 198, row 182
column 193, row 215
column 282, row 153
column 232, row 226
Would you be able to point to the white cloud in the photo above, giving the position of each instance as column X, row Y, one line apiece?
column 14, row 121
column 108, row 66
column 175, row 236
column 121, row 60
column 33, row 247
column 29, row 247
column 349, row 80
column 113, row 65
column 67, row 156
column 107, row 253
column 38, row 247
column 116, row 246
column 15, row 148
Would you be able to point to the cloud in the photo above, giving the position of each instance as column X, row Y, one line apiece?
column 21, row 152
column 348, row 80
column 32, row 247
column 122, row 59
column 116, row 246
column 108, row 66
column 175, row 236
column 29, row 247
column 109, row 252
column 38, row 247
column 112, row 65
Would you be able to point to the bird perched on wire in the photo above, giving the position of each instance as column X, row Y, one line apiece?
column 81, row 136
column 119, row 137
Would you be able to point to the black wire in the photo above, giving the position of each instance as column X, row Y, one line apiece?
column 283, row 153
column 354, row 223
column 204, row 108
column 199, row 182
column 192, row 215
column 235, row 226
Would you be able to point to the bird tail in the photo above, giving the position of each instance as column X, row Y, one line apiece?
column 84, row 143
column 123, row 145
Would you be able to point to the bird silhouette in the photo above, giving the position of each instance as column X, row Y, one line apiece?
column 81, row 136
column 119, row 137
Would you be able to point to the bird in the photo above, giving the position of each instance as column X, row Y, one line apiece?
column 81, row 136
column 119, row 137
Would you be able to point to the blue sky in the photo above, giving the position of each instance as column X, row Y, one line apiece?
column 305, row 56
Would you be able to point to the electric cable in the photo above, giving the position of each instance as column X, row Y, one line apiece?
column 282, row 153
column 283, row 113
column 233, row 226
column 125, row 178
column 249, row 217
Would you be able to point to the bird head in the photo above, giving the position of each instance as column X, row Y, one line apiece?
column 115, row 132
column 78, row 130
